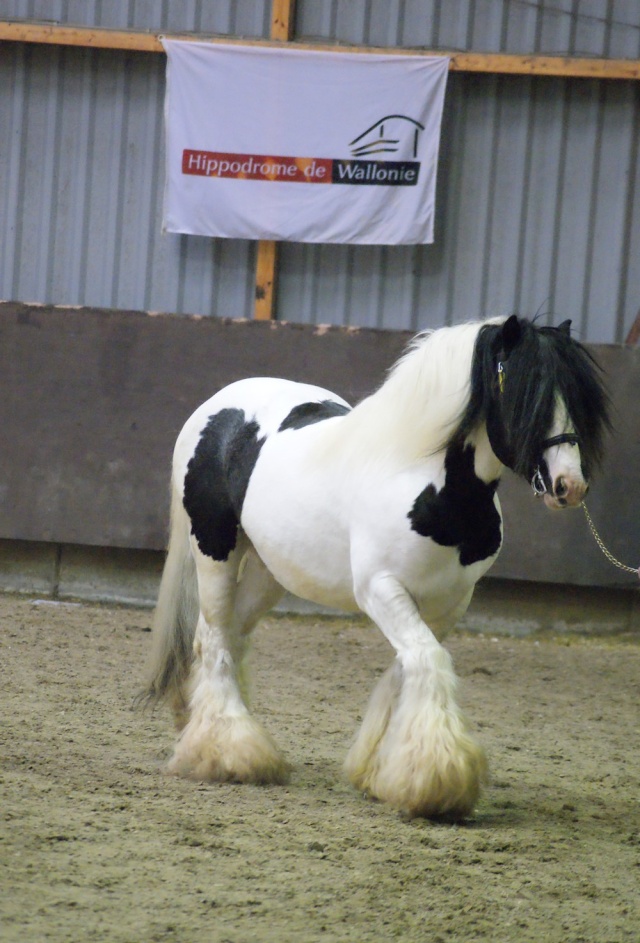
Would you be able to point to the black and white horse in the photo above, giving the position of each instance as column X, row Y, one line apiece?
column 389, row 508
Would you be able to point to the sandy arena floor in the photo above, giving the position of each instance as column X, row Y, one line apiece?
column 98, row 845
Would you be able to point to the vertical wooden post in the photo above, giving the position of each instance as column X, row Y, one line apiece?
column 266, row 265
column 282, row 14
column 633, row 337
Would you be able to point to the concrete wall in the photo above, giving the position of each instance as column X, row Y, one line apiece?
column 63, row 573
column 92, row 402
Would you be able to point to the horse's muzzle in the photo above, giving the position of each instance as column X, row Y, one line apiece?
column 566, row 493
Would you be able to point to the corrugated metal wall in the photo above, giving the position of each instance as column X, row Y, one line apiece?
column 539, row 182
column 232, row 17
column 538, row 186
column 606, row 28
column 538, row 210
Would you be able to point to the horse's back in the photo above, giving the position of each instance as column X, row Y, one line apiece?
column 220, row 444
column 268, row 399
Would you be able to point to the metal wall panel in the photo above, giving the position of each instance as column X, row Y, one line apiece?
column 235, row 17
column 81, row 180
column 539, row 179
column 538, row 212
column 607, row 28
column 82, row 172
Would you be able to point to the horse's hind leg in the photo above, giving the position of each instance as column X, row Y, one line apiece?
column 256, row 594
column 221, row 740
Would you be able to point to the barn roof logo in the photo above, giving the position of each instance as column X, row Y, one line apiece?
column 396, row 135
column 390, row 135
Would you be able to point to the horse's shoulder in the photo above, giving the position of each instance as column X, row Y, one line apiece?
column 463, row 513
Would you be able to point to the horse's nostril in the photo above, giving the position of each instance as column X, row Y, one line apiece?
column 561, row 488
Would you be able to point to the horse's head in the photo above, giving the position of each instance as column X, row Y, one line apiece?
column 545, row 406
column 559, row 477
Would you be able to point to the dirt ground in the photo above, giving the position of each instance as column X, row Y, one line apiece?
column 97, row 844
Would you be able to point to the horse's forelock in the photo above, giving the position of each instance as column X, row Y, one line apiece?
column 529, row 401
column 545, row 366
column 581, row 386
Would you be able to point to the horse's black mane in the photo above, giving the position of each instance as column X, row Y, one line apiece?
column 540, row 364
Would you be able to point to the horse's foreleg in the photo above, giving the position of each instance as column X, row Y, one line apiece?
column 414, row 749
column 221, row 740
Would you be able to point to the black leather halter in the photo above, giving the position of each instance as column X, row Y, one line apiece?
column 569, row 437
column 541, row 482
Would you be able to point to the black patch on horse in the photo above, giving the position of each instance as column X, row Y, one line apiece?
column 306, row 413
column 217, row 478
column 462, row 514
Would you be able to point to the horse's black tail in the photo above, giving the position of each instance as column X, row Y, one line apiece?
column 175, row 616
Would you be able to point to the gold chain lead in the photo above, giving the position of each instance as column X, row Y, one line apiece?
column 598, row 539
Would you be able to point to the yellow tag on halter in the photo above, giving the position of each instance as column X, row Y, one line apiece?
column 501, row 377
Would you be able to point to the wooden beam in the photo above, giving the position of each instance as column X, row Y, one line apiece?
column 96, row 38
column 264, row 309
column 493, row 63
column 560, row 66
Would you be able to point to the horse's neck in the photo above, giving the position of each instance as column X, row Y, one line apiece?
column 373, row 434
column 487, row 466
column 417, row 410
column 414, row 413
column 379, row 430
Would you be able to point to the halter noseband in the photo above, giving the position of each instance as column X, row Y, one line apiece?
column 539, row 483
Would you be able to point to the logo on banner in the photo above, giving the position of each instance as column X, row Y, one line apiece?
column 395, row 135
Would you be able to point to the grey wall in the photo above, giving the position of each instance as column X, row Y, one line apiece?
column 606, row 28
column 237, row 17
column 86, row 448
column 539, row 189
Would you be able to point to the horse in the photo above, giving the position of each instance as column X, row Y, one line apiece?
column 389, row 508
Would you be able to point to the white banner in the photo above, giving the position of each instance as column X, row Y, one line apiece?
column 300, row 145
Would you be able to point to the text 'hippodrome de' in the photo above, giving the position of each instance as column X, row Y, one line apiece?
column 299, row 169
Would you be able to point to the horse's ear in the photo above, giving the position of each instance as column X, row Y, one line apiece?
column 565, row 327
column 511, row 334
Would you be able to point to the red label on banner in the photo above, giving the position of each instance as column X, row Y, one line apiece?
column 386, row 173
column 257, row 167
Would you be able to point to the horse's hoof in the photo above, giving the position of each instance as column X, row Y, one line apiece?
column 236, row 750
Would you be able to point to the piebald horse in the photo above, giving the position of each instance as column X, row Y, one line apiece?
column 389, row 508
